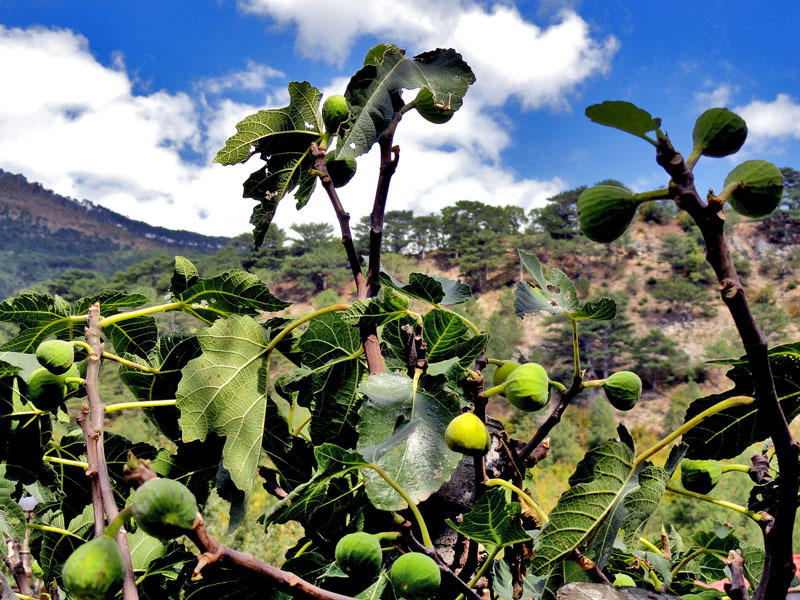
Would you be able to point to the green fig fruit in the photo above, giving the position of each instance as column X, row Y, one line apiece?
column 719, row 132
column 415, row 576
column 334, row 112
column 623, row 389
column 466, row 434
column 623, row 580
column 605, row 211
column 700, row 475
column 359, row 554
column 164, row 508
column 502, row 372
column 55, row 355
column 94, row 571
column 45, row 390
column 760, row 190
column 528, row 387
column 340, row 171
column 431, row 110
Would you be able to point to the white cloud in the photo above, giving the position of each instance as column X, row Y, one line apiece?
column 511, row 57
column 719, row 96
column 777, row 119
column 79, row 128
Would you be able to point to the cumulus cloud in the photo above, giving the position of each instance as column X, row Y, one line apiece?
column 511, row 56
column 779, row 118
column 79, row 128
column 717, row 96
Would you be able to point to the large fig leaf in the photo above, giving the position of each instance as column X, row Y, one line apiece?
column 283, row 137
column 329, row 347
column 729, row 432
column 278, row 129
column 172, row 352
column 599, row 480
column 41, row 316
column 625, row 116
column 420, row 462
column 556, row 295
column 332, row 494
column 430, row 288
column 224, row 391
column 12, row 519
column 373, row 93
column 448, row 337
column 233, row 292
column 492, row 521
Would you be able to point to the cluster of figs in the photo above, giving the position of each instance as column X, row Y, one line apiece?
column 753, row 189
column 528, row 387
column 58, row 377
column 162, row 508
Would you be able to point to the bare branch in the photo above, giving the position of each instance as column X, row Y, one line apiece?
column 736, row 589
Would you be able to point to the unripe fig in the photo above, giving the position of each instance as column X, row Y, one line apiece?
column 340, row 171
column 466, row 434
column 164, row 508
column 760, row 191
column 94, row 571
column 623, row 580
column 623, row 389
column 502, row 372
column 55, row 355
column 334, row 112
column 359, row 554
column 527, row 387
column 45, row 390
column 415, row 576
column 430, row 110
column 605, row 211
column 700, row 475
column 719, row 132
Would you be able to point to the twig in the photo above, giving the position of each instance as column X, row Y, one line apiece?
column 213, row 551
column 589, row 567
column 6, row 593
column 778, row 565
column 92, row 427
column 14, row 562
column 555, row 417
column 736, row 589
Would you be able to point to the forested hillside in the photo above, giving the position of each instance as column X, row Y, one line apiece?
column 42, row 234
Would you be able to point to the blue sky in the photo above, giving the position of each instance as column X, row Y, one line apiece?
column 126, row 103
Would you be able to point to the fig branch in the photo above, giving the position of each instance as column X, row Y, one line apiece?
column 91, row 422
column 778, row 566
column 370, row 340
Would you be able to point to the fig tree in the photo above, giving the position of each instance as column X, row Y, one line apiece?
column 623, row 389
column 502, row 372
column 55, row 355
column 415, row 576
column 528, row 387
column 760, row 188
column 360, row 554
column 94, row 571
column 334, row 112
column 164, row 508
column 700, row 475
column 340, row 171
column 466, row 434
column 719, row 132
column 45, row 390
column 605, row 211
